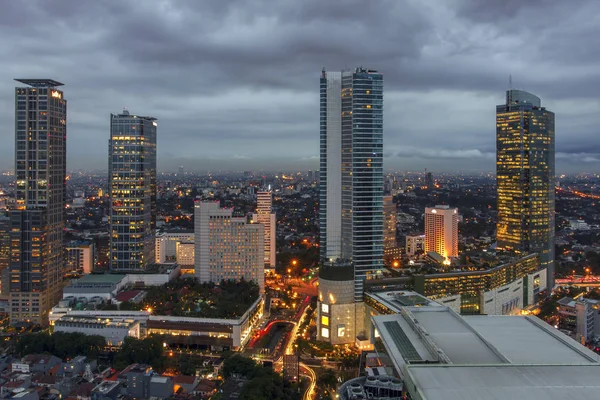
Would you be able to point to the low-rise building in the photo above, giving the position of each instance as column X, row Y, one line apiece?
column 439, row 354
column 214, row 332
column 166, row 244
column 580, row 318
column 113, row 331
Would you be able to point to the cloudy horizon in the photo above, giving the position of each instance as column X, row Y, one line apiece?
column 235, row 84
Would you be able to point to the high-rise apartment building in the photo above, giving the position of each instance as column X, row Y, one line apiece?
column 351, row 171
column 37, row 220
column 391, row 251
column 525, row 178
column 80, row 258
column 415, row 244
column 441, row 231
column 227, row 247
column 132, row 190
column 264, row 215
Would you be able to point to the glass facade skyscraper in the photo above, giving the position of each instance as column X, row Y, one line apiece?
column 351, row 171
column 37, row 220
column 132, row 189
column 525, row 177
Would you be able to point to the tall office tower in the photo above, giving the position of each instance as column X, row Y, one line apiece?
column 4, row 251
column 37, row 220
column 351, row 171
column 429, row 180
column 391, row 251
column 441, row 231
column 227, row 247
column 264, row 215
column 132, row 190
column 525, row 177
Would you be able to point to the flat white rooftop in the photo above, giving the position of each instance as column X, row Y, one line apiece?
column 506, row 381
column 524, row 340
column 439, row 335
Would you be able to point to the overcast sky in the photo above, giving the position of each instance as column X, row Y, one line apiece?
column 235, row 84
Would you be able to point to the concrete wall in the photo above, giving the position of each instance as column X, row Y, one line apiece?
column 505, row 300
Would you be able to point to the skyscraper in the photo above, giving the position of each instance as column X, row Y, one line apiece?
column 441, row 231
column 4, row 252
column 227, row 247
column 391, row 251
column 525, row 177
column 37, row 220
column 132, row 190
column 351, row 171
column 264, row 215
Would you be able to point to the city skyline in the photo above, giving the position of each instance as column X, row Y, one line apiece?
column 454, row 62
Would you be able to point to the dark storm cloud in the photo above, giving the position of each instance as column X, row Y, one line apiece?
column 235, row 83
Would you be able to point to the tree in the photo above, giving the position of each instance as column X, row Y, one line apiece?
column 240, row 365
column 143, row 351
column 327, row 379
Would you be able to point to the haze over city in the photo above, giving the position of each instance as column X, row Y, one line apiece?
column 234, row 84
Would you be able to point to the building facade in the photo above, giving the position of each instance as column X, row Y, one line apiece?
column 504, row 289
column 525, row 177
column 391, row 251
column 415, row 244
column 4, row 252
column 80, row 257
column 37, row 220
column 351, row 171
column 264, row 215
column 132, row 191
column 186, row 252
column 113, row 330
column 166, row 244
column 441, row 231
column 227, row 247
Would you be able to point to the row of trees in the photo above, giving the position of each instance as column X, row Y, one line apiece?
column 61, row 344
column 263, row 383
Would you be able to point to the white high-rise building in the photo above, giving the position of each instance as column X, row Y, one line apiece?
column 264, row 215
column 227, row 247
column 441, row 230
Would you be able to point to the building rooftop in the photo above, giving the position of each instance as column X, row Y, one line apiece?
column 532, row 382
column 40, row 82
column 95, row 279
column 401, row 298
column 439, row 335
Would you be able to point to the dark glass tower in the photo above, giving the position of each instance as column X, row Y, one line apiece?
column 132, row 186
column 351, row 189
column 37, row 220
column 525, row 177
